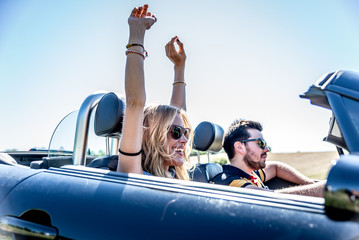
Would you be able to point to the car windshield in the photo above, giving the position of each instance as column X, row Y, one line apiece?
column 62, row 140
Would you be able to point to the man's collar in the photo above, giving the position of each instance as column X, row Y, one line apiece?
column 232, row 170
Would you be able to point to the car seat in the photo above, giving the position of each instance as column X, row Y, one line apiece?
column 108, row 123
column 207, row 137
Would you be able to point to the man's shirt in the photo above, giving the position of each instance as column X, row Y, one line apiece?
column 235, row 177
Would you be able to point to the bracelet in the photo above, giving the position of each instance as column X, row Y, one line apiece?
column 179, row 82
column 134, row 44
column 137, row 44
column 136, row 52
column 130, row 154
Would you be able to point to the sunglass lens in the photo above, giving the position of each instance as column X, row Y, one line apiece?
column 176, row 133
column 186, row 133
column 262, row 143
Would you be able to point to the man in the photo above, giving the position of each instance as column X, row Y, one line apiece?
column 247, row 152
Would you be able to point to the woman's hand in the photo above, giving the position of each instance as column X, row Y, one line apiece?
column 178, row 98
column 141, row 19
column 177, row 57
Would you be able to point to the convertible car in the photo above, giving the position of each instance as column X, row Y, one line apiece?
column 74, row 193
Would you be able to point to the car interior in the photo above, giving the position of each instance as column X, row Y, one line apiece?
column 108, row 117
column 108, row 110
column 102, row 115
column 108, row 124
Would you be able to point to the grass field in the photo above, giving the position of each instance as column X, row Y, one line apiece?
column 315, row 165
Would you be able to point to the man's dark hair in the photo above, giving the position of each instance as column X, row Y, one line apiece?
column 237, row 131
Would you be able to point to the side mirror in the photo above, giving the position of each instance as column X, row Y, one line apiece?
column 342, row 190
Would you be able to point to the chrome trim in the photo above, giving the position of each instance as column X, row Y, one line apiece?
column 107, row 139
column 82, row 127
column 329, row 78
column 26, row 228
column 114, row 146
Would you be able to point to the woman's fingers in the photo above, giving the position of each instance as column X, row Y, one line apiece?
column 134, row 11
column 177, row 57
column 142, row 15
column 180, row 46
column 144, row 11
column 141, row 12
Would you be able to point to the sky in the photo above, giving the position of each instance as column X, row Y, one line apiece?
column 247, row 59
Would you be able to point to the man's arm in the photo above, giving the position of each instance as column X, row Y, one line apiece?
column 286, row 172
column 308, row 186
column 314, row 190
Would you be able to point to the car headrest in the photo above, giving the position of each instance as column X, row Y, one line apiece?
column 208, row 137
column 109, row 116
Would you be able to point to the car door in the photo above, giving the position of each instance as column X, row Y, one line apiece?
column 85, row 203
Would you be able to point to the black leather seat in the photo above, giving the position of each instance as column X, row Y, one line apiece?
column 205, row 172
column 108, row 123
column 207, row 137
column 105, row 162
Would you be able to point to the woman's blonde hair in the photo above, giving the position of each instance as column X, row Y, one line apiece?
column 157, row 122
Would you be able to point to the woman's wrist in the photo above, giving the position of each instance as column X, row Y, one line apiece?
column 178, row 78
column 136, row 40
column 179, row 68
column 136, row 36
column 182, row 83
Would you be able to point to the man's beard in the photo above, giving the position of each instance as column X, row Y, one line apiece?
column 248, row 159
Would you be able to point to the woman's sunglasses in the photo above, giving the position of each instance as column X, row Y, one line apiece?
column 177, row 132
column 261, row 142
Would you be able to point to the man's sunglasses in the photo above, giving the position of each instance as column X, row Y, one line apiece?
column 261, row 142
column 177, row 132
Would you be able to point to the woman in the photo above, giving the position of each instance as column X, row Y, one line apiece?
column 154, row 139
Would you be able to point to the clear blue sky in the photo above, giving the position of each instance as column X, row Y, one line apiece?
column 245, row 59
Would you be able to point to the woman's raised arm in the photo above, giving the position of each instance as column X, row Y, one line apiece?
column 139, row 21
column 178, row 98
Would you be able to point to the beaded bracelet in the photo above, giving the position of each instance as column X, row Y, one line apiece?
column 179, row 82
column 137, row 44
column 136, row 52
